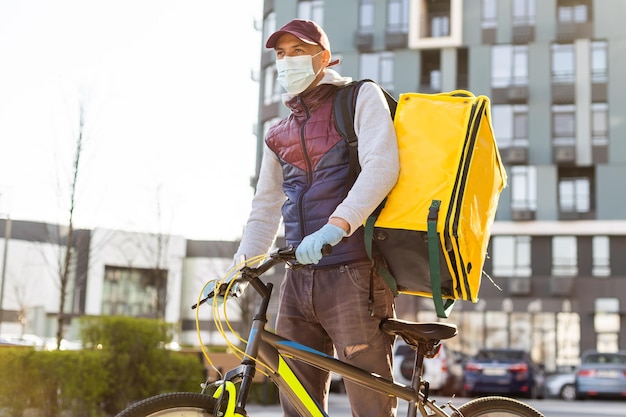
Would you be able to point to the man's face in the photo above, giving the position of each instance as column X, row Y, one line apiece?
column 289, row 45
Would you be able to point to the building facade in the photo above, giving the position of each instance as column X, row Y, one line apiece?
column 555, row 280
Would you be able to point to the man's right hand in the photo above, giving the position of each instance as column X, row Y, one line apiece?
column 309, row 251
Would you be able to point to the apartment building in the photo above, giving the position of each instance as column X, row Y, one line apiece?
column 555, row 279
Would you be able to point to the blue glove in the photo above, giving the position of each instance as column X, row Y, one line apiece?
column 309, row 251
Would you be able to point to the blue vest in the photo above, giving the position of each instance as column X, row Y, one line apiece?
column 315, row 161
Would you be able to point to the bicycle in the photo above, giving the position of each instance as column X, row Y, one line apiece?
column 266, row 351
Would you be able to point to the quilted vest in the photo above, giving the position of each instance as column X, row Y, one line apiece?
column 315, row 160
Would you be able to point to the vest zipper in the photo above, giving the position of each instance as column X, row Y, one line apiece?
column 307, row 160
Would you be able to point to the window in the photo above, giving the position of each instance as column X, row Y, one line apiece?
column 509, row 65
column 576, row 191
column 398, row 16
column 271, row 89
column 573, row 11
column 564, row 256
column 436, row 24
column 489, row 14
column 269, row 25
column 439, row 26
column 510, row 125
column 430, row 71
column 601, row 257
column 134, row 292
column 564, row 125
column 574, row 195
column 523, row 12
column 563, row 63
column 312, row 10
column 378, row 67
column 599, row 124
column 607, row 324
column 523, row 188
column 366, row 16
column 599, row 62
column 511, row 256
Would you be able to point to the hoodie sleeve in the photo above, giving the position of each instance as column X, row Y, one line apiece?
column 378, row 157
column 265, row 214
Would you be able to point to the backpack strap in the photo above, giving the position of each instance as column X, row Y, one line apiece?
column 344, row 108
column 442, row 308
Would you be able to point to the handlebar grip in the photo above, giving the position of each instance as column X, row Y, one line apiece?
column 327, row 249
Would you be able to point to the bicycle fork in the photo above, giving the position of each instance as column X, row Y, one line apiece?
column 247, row 370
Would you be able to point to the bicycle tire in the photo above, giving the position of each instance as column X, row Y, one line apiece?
column 175, row 404
column 495, row 406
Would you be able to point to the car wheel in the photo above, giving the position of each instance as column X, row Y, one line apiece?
column 580, row 395
column 568, row 392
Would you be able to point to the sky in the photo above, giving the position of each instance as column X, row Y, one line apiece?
column 169, row 104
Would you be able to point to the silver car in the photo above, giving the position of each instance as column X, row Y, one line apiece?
column 444, row 372
column 561, row 386
column 601, row 374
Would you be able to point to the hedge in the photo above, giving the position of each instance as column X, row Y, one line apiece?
column 123, row 361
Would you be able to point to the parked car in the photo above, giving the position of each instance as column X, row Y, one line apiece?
column 444, row 372
column 336, row 383
column 504, row 371
column 561, row 386
column 601, row 374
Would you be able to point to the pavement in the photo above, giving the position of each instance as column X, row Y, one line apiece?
column 338, row 406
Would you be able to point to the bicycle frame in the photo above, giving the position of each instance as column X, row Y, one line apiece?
column 269, row 350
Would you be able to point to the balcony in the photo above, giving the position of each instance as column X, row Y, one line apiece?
column 489, row 36
column 515, row 155
column 518, row 94
column 364, row 41
column 396, row 40
column 561, row 285
column 522, row 215
column 519, row 285
column 563, row 93
column 512, row 94
column 599, row 92
column 523, row 34
column 570, row 31
column 564, row 155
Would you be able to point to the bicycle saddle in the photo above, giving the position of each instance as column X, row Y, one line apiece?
column 415, row 333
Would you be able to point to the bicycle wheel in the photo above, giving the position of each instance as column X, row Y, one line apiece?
column 497, row 407
column 176, row 404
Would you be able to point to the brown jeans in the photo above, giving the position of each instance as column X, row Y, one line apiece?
column 327, row 310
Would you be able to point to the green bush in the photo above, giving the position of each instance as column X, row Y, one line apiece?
column 136, row 363
column 74, row 381
column 124, row 361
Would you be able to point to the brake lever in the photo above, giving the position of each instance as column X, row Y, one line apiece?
column 204, row 300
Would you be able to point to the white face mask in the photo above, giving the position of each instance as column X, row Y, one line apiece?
column 295, row 73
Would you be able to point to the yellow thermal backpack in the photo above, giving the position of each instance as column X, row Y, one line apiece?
column 430, row 235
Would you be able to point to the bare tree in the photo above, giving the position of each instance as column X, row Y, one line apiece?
column 67, row 257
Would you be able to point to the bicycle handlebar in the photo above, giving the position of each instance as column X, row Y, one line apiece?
column 248, row 274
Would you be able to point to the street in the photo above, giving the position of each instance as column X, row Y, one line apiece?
column 339, row 407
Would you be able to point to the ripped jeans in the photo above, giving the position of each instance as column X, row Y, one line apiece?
column 327, row 309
